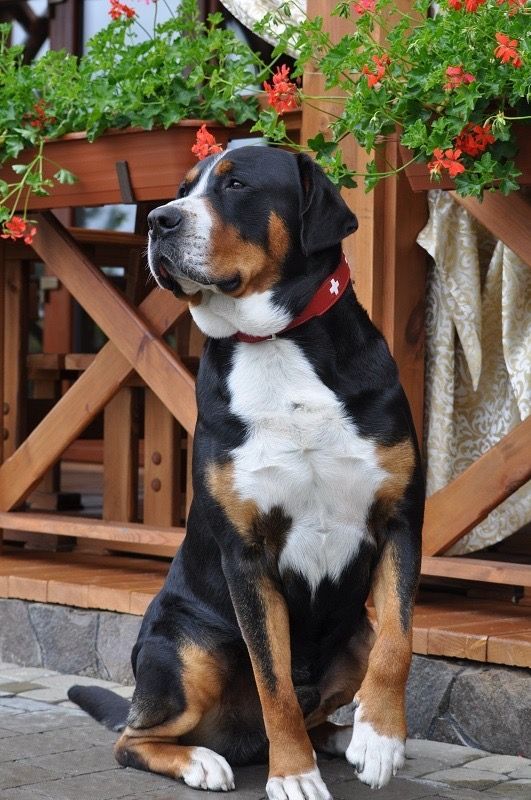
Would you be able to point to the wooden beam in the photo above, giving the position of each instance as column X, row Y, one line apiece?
column 87, row 396
column 506, row 217
column 89, row 528
column 147, row 353
column 454, row 510
column 476, row 569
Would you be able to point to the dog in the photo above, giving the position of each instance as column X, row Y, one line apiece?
column 308, row 496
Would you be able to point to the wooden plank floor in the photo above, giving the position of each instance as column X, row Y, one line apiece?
column 490, row 631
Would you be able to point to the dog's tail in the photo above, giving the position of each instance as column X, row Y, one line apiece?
column 104, row 706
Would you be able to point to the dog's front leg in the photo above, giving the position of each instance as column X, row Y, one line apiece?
column 377, row 749
column 263, row 618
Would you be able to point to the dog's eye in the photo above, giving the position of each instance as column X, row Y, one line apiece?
column 183, row 188
column 234, row 184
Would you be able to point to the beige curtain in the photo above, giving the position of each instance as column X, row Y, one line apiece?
column 478, row 328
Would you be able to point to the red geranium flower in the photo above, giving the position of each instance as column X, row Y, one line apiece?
column 365, row 5
column 457, row 5
column 381, row 64
column 449, row 159
column 38, row 118
column 282, row 95
column 17, row 228
column 473, row 5
column 514, row 5
column 456, row 77
column 506, row 50
column 474, row 139
column 205, row 144
column 118, row 10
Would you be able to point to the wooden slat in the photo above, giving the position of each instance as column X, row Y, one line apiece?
column 147, row 353
column 68, row 418
column 15, row 343
column 512, row 649
column 506, row 217
column 91, row 528
column 455, row 510
column 162, row 464
column 475, row 569
column 120, row 458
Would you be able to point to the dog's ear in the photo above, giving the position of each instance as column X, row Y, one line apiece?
column 325, row 217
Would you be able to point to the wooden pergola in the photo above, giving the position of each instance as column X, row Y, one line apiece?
column 389, row 273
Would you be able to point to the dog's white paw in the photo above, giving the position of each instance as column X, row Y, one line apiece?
column 308, row 786
column 376, row 758
column 208, row 770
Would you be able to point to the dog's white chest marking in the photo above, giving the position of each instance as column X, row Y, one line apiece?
column 302, row 453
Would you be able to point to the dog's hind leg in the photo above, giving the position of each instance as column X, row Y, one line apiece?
column 169, row 703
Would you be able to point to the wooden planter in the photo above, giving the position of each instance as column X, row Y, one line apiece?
column 419, row 177
column 156, row 162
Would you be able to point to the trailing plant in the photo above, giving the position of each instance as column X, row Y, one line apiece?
column 452, row 84
column 182, row 68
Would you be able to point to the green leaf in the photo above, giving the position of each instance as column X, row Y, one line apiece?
column 65, row 176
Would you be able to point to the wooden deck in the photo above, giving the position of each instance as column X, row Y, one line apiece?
column 451, row 625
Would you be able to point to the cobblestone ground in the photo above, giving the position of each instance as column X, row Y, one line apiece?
column 49, row 750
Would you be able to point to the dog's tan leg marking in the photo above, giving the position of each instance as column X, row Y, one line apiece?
column 377, row 747
column 292, row 767
column 263, row 619
column 156, row 748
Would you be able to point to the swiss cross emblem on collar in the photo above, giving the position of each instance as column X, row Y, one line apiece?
column 334, row 286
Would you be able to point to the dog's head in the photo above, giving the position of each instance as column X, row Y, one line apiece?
column 248, row 228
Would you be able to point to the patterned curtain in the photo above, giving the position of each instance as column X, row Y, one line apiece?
column 478, row 329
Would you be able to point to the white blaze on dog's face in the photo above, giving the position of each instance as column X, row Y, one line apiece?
column 234, row 237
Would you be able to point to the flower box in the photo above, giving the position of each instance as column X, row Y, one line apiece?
column 419, row 177
column 156, row 161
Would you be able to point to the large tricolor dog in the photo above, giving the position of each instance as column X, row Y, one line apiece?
column 308, row 496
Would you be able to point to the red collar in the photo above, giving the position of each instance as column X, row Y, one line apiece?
column 324, row 298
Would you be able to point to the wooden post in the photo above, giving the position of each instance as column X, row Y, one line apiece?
column 15, row 346
column 120, row 458
column 162, row 464
column 387, row 265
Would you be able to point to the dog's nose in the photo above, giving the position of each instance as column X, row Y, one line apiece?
column 165, row 219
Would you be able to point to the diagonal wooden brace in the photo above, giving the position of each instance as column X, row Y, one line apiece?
column 125, row 326
column 454, row 510
column 86, row 398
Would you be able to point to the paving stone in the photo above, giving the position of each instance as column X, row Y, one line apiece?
column 468, row 778
column 517, row 789
column 45, row 694
column 60, row 681
column 504, row 764
column 115, row 783
column 449, row 754
column 397, row 788
column 99, row 758
column 20, row 774
column 56, row 741
column 124, row 691
column 18, row 643
column 117, row 633
column 40, row 721
column 14, row 672
column 21, row 704
column 67, row 637
column 20, row 687
column 522, row 772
